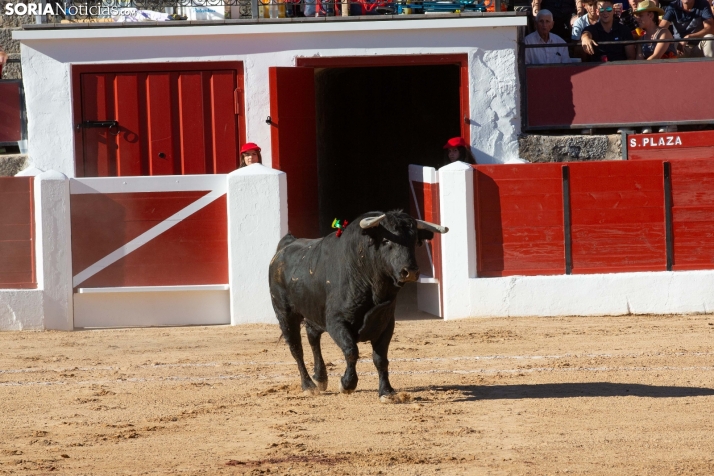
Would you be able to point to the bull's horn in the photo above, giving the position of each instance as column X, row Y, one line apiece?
column 371, row 221
column 432, row 227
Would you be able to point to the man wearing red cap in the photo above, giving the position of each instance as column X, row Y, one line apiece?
column 455, row 149
column 250, row 154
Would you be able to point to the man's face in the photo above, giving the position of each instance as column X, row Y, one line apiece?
column 605, row 10
column 544, row 25
column 592, row 10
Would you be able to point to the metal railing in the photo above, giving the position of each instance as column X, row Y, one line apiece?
column 178, row 9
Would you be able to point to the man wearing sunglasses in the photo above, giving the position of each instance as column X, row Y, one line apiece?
column 607, row 29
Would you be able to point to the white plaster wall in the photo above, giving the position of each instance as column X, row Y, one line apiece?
column 257, row 220
column 489, row 43
column 21, row 309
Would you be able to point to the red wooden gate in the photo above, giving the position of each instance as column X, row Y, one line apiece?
column 294, row 144
column 174, row 119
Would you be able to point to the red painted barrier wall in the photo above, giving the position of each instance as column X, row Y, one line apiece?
column 193, row 252
column 580, row 95
column 617, row 217
column 693, row 214
column 519, row 219
column 10, row 111
column 17, row 237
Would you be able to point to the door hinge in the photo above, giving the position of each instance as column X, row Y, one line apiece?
column 236, row 101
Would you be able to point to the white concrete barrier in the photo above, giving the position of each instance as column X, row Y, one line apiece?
column 257, row 219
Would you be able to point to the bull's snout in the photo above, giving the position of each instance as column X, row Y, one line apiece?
column 409, row 275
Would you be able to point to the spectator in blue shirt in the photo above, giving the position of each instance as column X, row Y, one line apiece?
column 590, row 18
column 692, row 19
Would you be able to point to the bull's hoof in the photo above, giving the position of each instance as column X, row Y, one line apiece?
column 322, row 385
column 311, row 392
column 342, row 389
column 394, row 397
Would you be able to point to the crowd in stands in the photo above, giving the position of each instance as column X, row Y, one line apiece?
column 591, row 24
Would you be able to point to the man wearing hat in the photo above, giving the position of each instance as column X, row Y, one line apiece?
column 647, row 16
column 250, row 154
column 692, row 19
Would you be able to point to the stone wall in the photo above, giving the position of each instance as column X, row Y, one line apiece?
column 569, row 148
column 12, row 47
column 11, row 164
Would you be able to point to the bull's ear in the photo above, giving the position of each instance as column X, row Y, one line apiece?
column 424, row 235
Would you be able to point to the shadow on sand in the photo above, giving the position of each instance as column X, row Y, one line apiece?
column 569, row 390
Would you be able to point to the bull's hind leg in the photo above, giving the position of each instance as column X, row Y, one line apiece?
column 380, row 348
column 313, row 337
column 290, row 325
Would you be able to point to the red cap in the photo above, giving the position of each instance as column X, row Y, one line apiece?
column 455, row 142
column 249, row 146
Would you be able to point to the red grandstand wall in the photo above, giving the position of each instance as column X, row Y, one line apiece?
column 573, row 96
column 17, row 233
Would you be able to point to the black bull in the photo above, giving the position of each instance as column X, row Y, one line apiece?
column 346, row 286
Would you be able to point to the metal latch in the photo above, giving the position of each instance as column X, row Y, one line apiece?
column 100, row 124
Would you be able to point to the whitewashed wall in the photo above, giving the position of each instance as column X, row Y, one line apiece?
column 489, row 42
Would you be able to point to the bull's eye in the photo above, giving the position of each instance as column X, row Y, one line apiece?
column 385, row 241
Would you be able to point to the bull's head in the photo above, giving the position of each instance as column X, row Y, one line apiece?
column 395, row 236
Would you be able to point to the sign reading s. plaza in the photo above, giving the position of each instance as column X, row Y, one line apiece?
column 655, row 141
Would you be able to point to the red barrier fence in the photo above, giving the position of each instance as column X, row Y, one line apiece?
column 17, row 233
column 10, row 111
column 598, row 217
column 519, row 216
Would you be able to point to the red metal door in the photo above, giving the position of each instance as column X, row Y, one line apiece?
column 169, row 123
column 294, row 144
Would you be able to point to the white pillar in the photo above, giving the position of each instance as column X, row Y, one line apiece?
column 458, row 246
column 257, row 220
column 53, row 249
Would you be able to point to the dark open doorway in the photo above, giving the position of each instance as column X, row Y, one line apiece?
column 372, row 122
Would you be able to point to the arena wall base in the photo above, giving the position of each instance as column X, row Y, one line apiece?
column 141, row 309
column 466, row 295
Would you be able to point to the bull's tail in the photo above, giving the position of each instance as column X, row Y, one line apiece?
column 285, row 241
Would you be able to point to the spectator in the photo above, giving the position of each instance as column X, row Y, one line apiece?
column 455, row 149
column 607, row 30
column 590, row 18
column 561, row 11
column 543, row 36
column 250, row 154
column 647, row 17
column 691, row 19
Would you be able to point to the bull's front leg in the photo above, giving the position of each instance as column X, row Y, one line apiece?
column 348, row 343
column 380, row 348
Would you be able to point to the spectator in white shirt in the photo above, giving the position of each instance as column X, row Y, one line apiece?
column 543, row 36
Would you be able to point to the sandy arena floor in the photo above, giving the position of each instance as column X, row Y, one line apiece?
column 609, row 395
